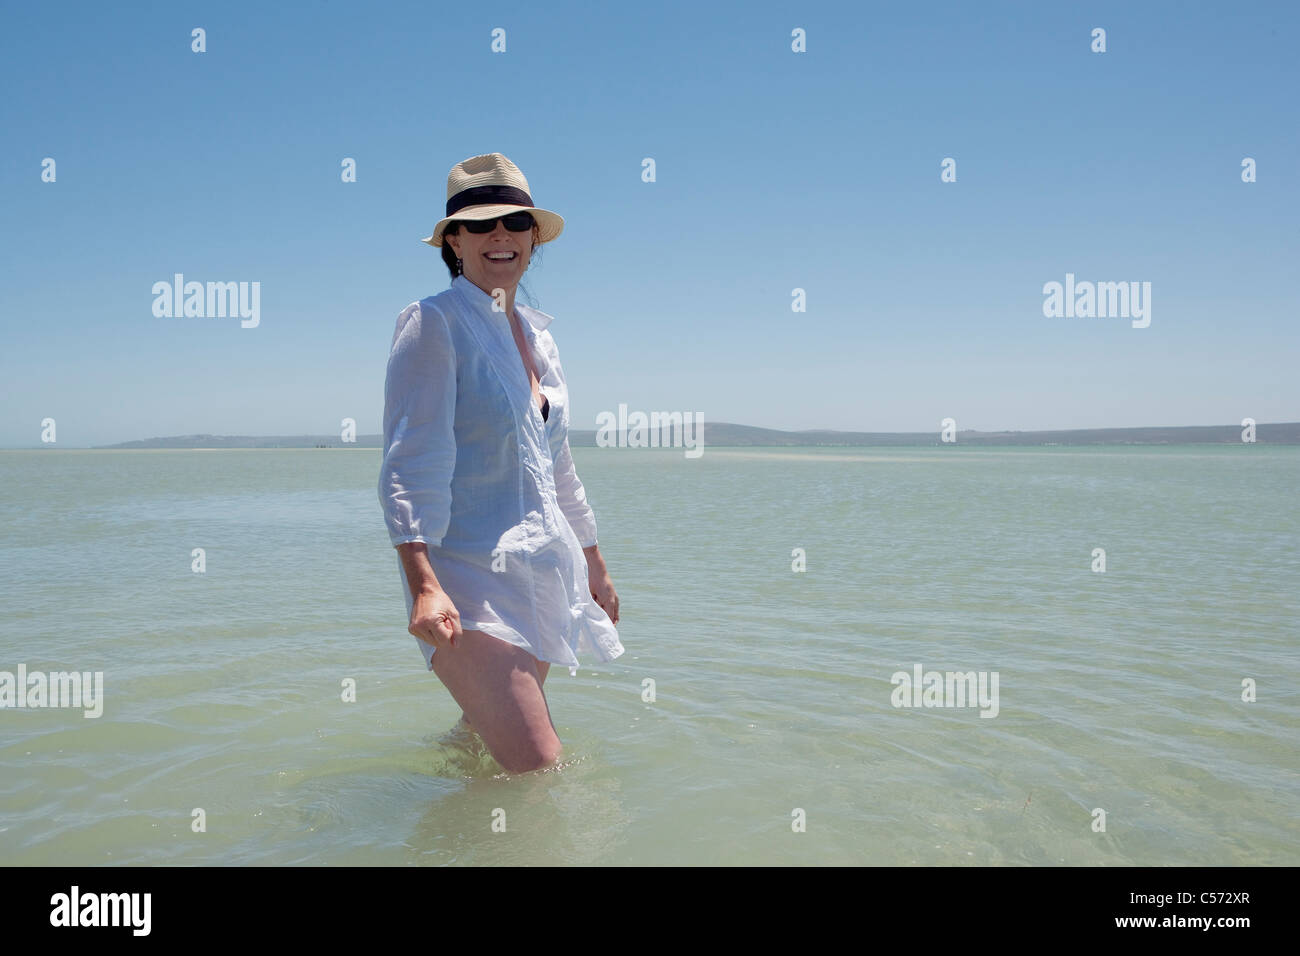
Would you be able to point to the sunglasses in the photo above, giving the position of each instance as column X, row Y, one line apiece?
column 515, row 222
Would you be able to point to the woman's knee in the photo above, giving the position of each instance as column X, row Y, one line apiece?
column 534, row 756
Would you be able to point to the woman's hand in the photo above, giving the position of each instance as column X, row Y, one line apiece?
column 602, row 588
column 434, row 619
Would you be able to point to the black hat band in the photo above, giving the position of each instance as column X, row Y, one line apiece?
column 488, row 196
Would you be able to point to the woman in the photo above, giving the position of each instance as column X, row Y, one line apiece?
column 496, row 542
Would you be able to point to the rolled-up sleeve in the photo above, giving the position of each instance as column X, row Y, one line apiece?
column 573, row 497
column 419, row 428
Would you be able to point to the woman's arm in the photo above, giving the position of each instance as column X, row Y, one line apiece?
column 573, row 502
column 419, row 436
column 419, row 460
column 602, row 588
column 434, row 617
column 419, row 571
column 572, row 498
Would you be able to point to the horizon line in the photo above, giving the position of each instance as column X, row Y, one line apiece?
column 303, row 436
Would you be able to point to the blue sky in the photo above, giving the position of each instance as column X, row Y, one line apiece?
column 775, row 170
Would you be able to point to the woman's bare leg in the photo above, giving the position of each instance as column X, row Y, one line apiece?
column 499, row 687
column 543, row 668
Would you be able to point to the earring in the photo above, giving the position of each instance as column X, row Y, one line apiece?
column 459, row 266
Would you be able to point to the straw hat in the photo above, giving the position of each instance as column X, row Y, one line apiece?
column 488, row 186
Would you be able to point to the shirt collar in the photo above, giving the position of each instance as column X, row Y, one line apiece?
column 482, row 302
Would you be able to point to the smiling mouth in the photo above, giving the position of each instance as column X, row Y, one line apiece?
column 498, row 257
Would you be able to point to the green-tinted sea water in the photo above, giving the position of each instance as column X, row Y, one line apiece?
column 772, row 737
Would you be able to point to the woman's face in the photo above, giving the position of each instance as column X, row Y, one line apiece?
column 492, row 273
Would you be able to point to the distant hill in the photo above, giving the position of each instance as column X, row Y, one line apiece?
column 726, row 434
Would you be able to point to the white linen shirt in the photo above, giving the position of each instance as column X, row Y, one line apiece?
column 471, row 469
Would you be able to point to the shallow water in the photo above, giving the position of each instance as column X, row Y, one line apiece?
column 1118, row 690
